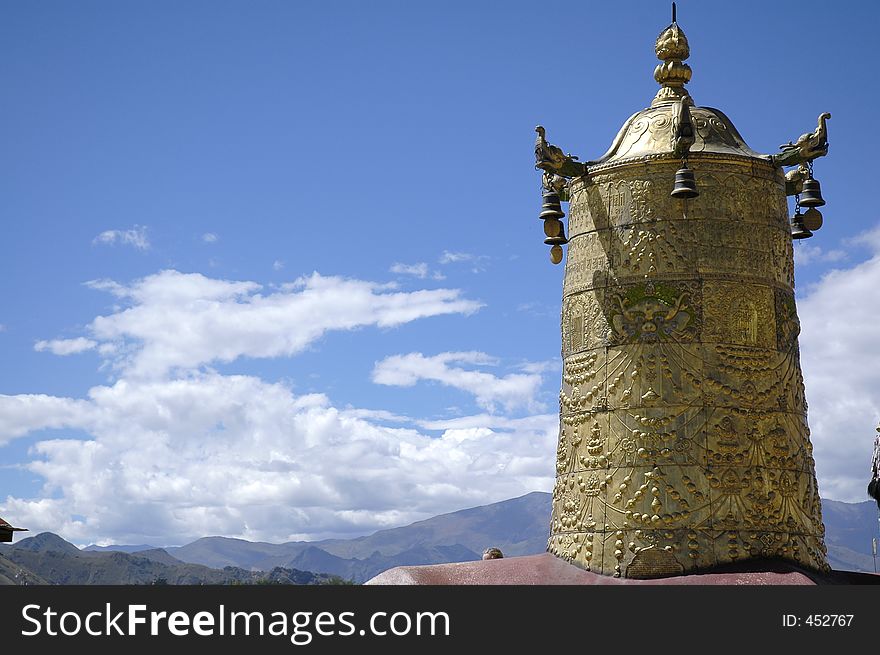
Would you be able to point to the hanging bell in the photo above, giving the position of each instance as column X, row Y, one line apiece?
column 811, row 196
column 553, row 227
column 551, row 208
column 685, row 184
column 798, row 231
column 812, row 219
column 555, row 231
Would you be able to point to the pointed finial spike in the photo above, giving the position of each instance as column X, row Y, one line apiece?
column 672, row 73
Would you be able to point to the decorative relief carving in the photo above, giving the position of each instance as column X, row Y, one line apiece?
column 583, row 323
column 645, row 251
column 740, row 249
column 737, row 197
column 629, row 202
column 667, row 435
column 740, row 314
column 788, row 326
column 587, row 264
column 683, row 436
column 763, row 500
column 653, row 562
column 758, row 439
column 649, row 375
column 588, row 209
column 655, row 312
column 782, row 253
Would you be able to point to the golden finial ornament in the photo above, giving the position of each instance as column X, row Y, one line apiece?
column 672, row 73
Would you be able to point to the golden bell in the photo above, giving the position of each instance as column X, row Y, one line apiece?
column 811, row 196
column 551, row 207
column 798, row 231
column 685, row 184
column 553, row 227
column 812, row 219
column 555, row 231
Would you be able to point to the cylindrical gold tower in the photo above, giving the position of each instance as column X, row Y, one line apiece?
column 683, row 433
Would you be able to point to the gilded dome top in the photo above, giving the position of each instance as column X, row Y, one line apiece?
column 651, row 132
column 657, row 131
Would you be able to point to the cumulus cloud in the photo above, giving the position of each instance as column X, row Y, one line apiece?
column 510, row 391
column 65, row 346
column 807, row 253
column 178, row 321
column 209, row 237
column 277, row 265
column 869, row 238
column 419, row 270
column 841, row 364
column 173, row 450
column 172, row 460
column 25, row 413
column 136, row 236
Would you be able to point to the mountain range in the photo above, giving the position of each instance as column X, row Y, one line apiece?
column 49, row 559
column 518, row 527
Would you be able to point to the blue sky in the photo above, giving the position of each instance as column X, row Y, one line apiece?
column 274, row 270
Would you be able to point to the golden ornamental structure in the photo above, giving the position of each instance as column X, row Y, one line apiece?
column 683, row 441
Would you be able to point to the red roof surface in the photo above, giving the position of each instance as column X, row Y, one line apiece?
column 4, row 524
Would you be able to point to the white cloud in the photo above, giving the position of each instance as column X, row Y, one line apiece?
column 540, row 309
column 841, row 364
column 277, row 265
column 136, row 236
column 541, row 367
column 168, row 461
column 173, row 451
column 537, row 422
column 172, row 321
column 511, row 391
column 869, row 238
column 377, row 415
column 65, row 346
column 807, row 253
column 452, row 257
column 25, row 413
column 477, row 263
column 419, row 270
column 209, row 237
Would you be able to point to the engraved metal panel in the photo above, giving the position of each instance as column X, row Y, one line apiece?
column 683, row 433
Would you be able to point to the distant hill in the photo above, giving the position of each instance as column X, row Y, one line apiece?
column 849, row 528
column 15, row 574
column 120, row 548
column 46, row 542
column 48, row 559
column 518, row 527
